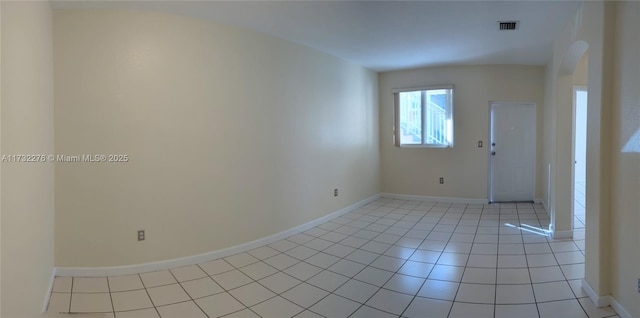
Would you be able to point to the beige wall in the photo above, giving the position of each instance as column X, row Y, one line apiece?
column 588, row 30
column 548, row 136
column 625, row 159
column 27, row 128
column 581, row 73
column 232, row 136
column 416, row 171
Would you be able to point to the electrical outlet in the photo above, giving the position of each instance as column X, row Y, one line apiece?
column 479, row 143
column 441, row 180
column 335, row 192
column 141, row 235
column 639, row 285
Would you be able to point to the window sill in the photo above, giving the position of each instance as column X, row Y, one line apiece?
column 425, row 146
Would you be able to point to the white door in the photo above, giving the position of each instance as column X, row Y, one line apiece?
column 512, row 152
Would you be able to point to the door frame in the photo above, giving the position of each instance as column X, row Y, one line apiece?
column 535, row 142
column 574, row 114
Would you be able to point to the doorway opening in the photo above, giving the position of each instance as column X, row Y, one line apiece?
column 579, row 156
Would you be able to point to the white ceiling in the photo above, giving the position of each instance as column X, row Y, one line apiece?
column 388, row 35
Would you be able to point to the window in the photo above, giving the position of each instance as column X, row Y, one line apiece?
column 424, row 117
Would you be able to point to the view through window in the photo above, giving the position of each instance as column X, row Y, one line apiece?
column 424, row 117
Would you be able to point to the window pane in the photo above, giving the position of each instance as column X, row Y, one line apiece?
column 425, row 117
column 436, row 117
column 410, row 117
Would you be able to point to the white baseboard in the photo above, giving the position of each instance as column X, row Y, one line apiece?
column 47, row 297
column 599, row 301
column 562, row 234
column 435, row 199
column 623, row 313
column 205, row 257
column 543, row 202
column 603, row 301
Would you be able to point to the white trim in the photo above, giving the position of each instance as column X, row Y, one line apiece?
column 544, row 204
column 603, row 301
column 205, row 257
column 421, row 88
column 47, row 297
column 599, row 301
column 623, row 313
column 435, row 199
column 561, row 234
column 424, row 146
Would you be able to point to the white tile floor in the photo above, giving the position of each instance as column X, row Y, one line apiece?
column 390, row 258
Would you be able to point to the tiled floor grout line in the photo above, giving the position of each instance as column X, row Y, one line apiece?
column 327, row 269
column 396, row 272
column 280, row 271
column 353, row 277
column 565, row 277
column 187, row 293
column 225, row 290
column 526, row 259
column 345, row 258
column 425, row 281
column 356, row 274
column 495, row 292
column 524, row 254
column 277, row 271
column 274, row 292
column 566, row 280
column 397, row 225
column 453, row 302
column 148, row 295
column 111, row 297
column 71, row 294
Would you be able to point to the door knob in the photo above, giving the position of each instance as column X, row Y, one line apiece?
column 493, row 143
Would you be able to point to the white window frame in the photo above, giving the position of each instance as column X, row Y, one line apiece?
column 449, row 118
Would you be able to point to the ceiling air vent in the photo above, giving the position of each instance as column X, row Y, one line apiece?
column 508, row 25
